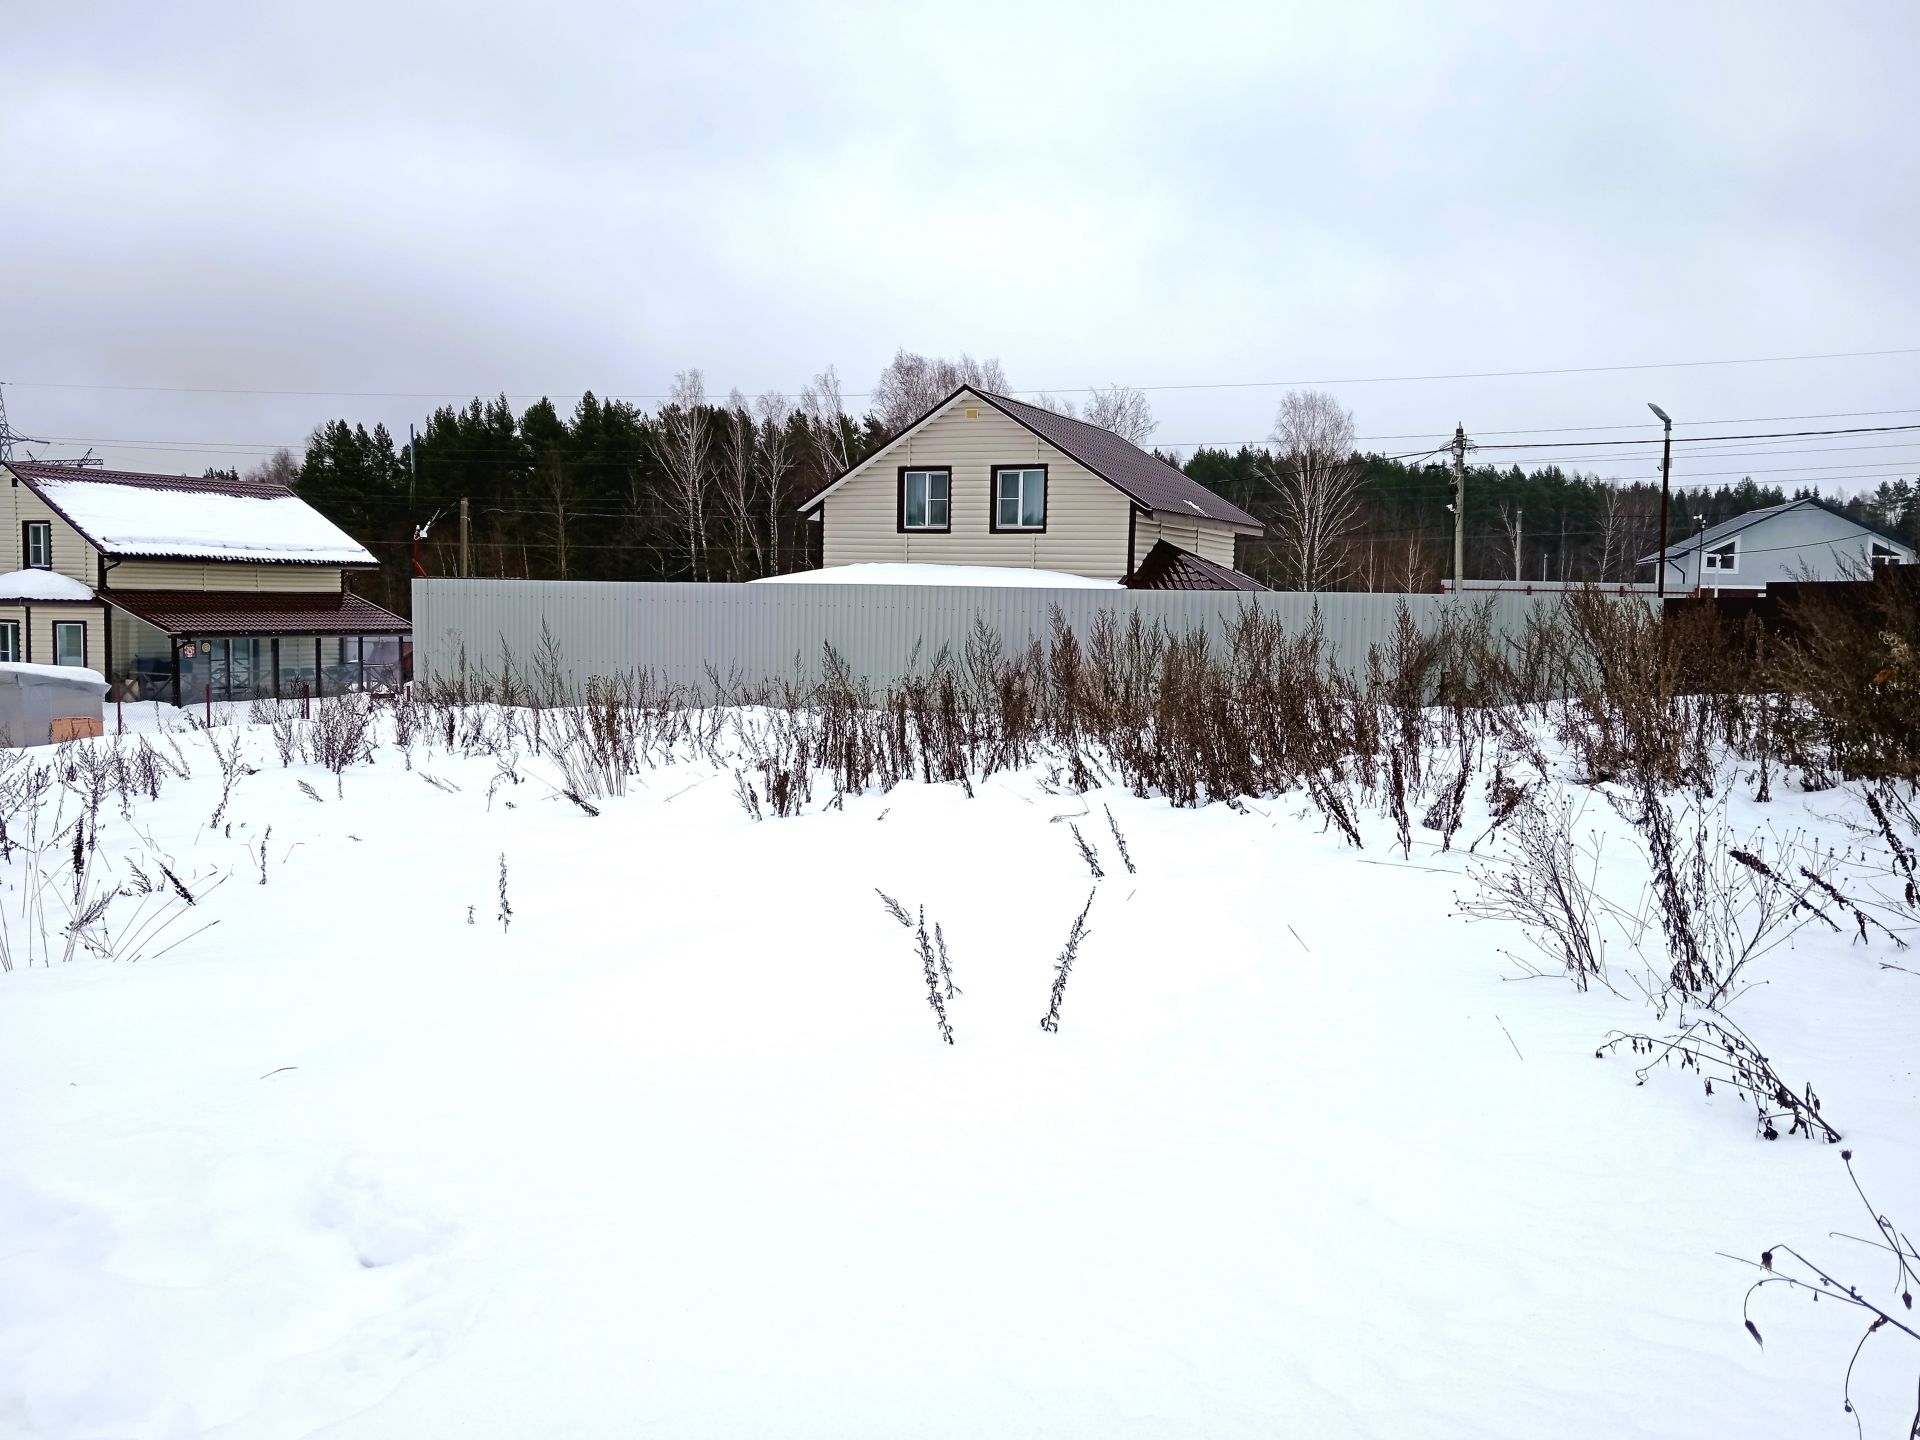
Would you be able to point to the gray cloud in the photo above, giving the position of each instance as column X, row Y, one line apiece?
column 376, row 198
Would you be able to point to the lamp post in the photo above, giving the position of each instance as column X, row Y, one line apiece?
column 1666, row 471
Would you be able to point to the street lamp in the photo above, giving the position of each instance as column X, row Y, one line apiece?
column 1666, row 470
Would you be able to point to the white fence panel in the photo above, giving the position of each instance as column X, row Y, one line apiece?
column 756, row 634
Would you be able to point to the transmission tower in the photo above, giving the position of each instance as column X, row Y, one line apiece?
column 9, row 437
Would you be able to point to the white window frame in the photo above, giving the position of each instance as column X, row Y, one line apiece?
column 1027, row 475
column 1709, row 553
column 9, row 642
column 1881, row 553
column 44, row 530
column 63, row 625
column 927, row 475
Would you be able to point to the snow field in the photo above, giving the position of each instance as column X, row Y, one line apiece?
column 679, row 1152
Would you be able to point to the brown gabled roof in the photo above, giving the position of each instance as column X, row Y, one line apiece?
column 1168, row 567
column 193, row 612
column 1147, row 480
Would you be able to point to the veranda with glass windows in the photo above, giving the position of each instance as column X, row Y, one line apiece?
column 187, row 666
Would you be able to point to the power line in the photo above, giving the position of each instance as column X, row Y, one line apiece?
column 1023, row 390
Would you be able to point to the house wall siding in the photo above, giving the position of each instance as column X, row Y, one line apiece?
column 1785, row 547
column 1209, row 542
column 72, row 555
column 1086, row 530
column 220, row 576
column 36, row 629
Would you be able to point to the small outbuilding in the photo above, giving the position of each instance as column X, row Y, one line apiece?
column 46, row 704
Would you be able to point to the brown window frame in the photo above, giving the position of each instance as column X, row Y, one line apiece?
column 85, row 658
column 900, row 500
column 27, row 527
column 993, row 498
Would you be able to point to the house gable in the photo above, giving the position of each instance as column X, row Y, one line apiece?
column 1087, row 520
column 1778, row 543
column 1102, row 493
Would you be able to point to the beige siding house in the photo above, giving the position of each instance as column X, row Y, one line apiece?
column 982, row 479
column 181, row 588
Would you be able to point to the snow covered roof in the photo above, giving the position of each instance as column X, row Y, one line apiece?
column 989, row 576
column 42, row 585
column 185, row 517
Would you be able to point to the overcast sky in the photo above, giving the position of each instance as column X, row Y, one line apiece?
column 208, row 204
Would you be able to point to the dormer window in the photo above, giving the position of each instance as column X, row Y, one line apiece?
column 926, row 499
column 36, row 545
column 1722, row 559
column 1880, row 554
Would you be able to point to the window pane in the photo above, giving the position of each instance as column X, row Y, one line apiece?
column 69, row 644
column 1033, row 509
column 937, row 485
column 10, row 642
column 916, row 510
column 937, row 512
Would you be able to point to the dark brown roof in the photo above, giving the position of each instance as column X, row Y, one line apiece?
column 1168, row 567
column 192, row 612
column 1146, row 479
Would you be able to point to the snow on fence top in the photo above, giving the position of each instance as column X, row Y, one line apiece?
column 181, row 517
column 990, row 576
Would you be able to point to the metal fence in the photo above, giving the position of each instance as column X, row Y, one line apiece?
column 760, row 634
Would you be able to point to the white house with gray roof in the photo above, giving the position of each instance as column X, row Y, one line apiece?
column 982, row 479
column 1800, row 540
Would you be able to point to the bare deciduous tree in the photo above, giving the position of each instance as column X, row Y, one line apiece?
column 735, row 476
column 824, row 408
column 279, row 468
column 775, row 467
column 911, row 384
column 685, row 449
column 1510, row 522
column 1318, row 481
column 1123, row 410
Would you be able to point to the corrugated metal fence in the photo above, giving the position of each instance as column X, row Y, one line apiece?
column 758, row 634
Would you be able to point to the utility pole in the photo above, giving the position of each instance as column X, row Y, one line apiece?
column 413, row 466
column 466, row 567
column 1459, row 506
column 1518, row 516
column 1666, row 471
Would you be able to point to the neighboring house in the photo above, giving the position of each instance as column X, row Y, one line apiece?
column 179, row 588
column 984, row 480
column 1800, row 540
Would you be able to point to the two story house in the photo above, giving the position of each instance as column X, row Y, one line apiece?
column 180, row 588
column 982, row 479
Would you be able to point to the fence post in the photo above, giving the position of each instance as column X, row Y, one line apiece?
column 306, row 702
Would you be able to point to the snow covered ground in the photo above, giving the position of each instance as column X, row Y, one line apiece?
column 674, row 1149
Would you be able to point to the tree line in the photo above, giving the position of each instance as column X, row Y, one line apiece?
column 707, row 488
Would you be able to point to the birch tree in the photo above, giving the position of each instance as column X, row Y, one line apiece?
column 685, row 450
column 826, row 421
column 1318, row 481
column 774, row 461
